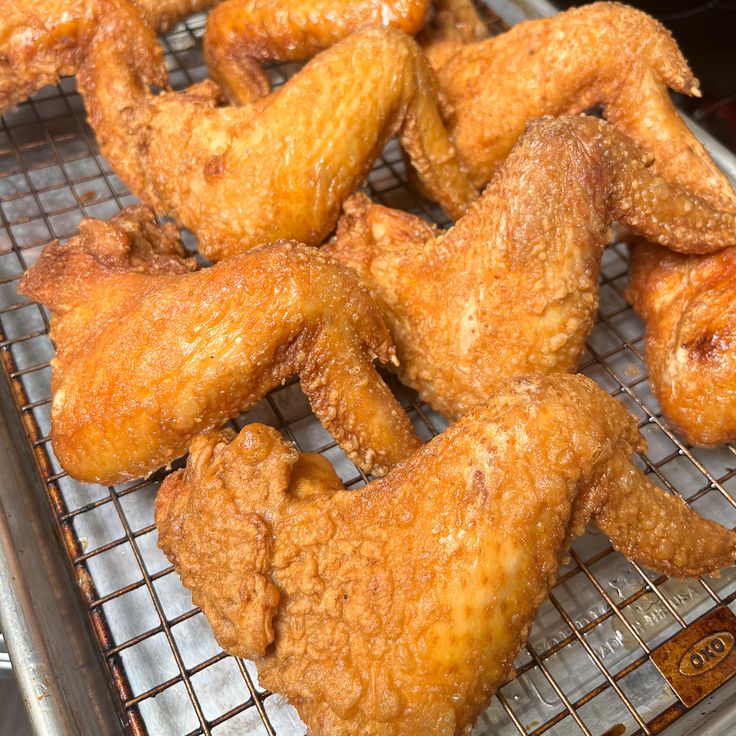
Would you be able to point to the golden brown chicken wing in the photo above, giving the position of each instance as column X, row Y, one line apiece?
column 148, row 354
column 399, row 608
column 601, row 54
column 43, row 40
column 513, row 287
column 280, row 168
column 689, row 306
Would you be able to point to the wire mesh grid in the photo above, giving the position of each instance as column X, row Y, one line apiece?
column 586, row 667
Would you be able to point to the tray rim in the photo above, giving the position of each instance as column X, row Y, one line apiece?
column 48, row 636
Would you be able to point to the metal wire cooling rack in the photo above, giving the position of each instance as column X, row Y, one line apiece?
column 586, row 667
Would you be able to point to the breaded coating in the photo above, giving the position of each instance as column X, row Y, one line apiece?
column 43, row 40
column 399, row 608
column 513, row 286
column 242, row 33
column 601, row 54
column 279, row 168
column 688, row 304
column 149, row 354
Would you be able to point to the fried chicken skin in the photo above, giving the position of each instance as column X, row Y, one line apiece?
column 44, row 40
column 149, row 354
column 513, row 286
column 601, row 54
column 688, row 304
column 242, row 33
column 398, row 608
column 282, row 167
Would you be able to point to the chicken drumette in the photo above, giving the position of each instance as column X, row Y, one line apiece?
column 281, row 167
column 398, row 608
column 513, row 286
column 149, row 354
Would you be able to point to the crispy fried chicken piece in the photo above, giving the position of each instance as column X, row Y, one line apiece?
column 282, row 167
column 43, row 40
column 513, row 286
column 149, row 354
column 689, row 306
column 601, row 54
column 398, row 608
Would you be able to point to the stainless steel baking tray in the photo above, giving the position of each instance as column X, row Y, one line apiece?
column 103, row 635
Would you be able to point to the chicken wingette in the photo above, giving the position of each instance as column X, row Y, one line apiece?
column 279, row 168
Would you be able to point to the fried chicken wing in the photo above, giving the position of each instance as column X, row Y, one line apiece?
column 601, row 54
column 513, row 286
column 282, row 167
column 689, row 306
column 398, row 608
column 149, row 354
column 43, row 40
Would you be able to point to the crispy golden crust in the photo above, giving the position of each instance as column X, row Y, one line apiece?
column 398, row 608
column 282, row 167
column 148, row 355
column 39, row 42
column 602, row 54
column 43, row 40
column 689, row 306
column 518, row 275
column 242, row 33
column 162, row 14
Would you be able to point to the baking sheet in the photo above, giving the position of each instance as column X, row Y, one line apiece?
column 585, row 668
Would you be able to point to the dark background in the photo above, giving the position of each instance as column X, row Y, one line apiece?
column 706, row 33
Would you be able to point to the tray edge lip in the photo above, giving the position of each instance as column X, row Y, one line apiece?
column 59, row 671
